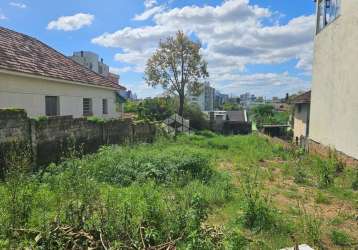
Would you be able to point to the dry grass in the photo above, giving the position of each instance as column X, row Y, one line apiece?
column 289, row 197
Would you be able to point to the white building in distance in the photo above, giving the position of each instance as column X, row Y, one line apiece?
column 205, row 100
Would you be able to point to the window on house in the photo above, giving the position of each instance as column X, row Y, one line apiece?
column 52, row 105
column 328, row 11
column 87, row 107
column 105, row 106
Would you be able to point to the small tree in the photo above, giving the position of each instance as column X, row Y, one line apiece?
column 177, row 66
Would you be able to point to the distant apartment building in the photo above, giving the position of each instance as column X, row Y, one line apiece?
column 334, row 102
column 205, row 100
column 247, row 99
column 260, row 99
column 128, row 95
column 220, row 100
column 275, row 99
column 91, row 61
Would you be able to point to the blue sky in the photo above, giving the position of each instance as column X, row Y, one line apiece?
column 264, row 47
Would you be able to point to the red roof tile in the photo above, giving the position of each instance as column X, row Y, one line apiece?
column 303, row 98
column 25, row 54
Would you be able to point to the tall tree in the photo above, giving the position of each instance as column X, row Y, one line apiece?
column 178, row 67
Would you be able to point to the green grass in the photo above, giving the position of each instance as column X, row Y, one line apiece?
column 321, row 198
column 340, row 238
column 150, row 194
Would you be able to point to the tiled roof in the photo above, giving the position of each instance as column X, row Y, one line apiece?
column 25, row 54
column 303, row 98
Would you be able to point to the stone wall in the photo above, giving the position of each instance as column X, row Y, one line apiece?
column 51, row 139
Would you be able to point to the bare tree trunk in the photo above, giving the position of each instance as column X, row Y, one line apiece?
column 181, row 105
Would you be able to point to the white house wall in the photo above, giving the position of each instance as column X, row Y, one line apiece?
column 29, row 94
column 300, row 121
column 334, row 104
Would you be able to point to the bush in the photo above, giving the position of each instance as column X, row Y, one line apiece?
column 95, row 119
column 258, row 214
column 311, row 226
column 206, row 133
column 355, row 182
column 327, row 173
column 237, row 240
column 41, row 118
column 300, row 176
column 154, row 109
column 340, row 238
column 140, row 164
column 17, row 203
column 338, row 164
column 266, row 114
column 197, row 119
column 18, row 191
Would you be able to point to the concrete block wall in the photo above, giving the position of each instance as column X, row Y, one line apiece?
column 14, row 134
column 53, row 137
column 49, row 140
column 143, row 132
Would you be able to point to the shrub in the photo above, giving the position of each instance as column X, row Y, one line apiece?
column 300, row 176
column 237, row 240
column 19, row 189
column 199, row 236
column 41, row 118
column 355, row 182
column 206, row 133
column 258, row 214
column 17, row 203
column 95, row 119
column 124, row 166
column 340, row 167
column 340, row 238
column 198, row 119
column 311, row 226
column 326, row 171
column 338, row 164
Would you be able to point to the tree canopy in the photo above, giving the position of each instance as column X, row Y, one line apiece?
column 178, row 67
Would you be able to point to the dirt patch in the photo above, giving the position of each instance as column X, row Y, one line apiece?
column 336, row 214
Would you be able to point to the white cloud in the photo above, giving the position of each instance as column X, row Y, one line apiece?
column 71, row 23
column 235, row 34
column 142, row 90
column 148, row 13
column 135, row 58
column 119, row 71
column 2, row 15
column 135, row 39
column 269, row 84
column 150, row 3
column 18, row 5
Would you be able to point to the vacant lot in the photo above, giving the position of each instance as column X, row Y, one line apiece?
column 198, row 192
